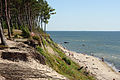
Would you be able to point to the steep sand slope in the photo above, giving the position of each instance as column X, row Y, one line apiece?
column 19, row 62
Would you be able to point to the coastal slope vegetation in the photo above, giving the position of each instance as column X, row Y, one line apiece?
column 24, row 22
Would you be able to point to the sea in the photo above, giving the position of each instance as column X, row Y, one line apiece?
column 104, row 44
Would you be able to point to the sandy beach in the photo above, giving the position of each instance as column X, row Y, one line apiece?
column 94, row 65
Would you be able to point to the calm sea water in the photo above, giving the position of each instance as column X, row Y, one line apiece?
column 101, row 44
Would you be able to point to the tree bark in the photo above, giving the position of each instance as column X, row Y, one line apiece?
column 41, row 24
column 45, row 27
column 26, row 14
column 7, row 19
column 1, row 15
column 29, row 18
column 19, row 20
column 3, row 41
column 9, row 15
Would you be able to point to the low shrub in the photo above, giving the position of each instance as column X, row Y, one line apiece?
column 25, row 32
column 40, row 50
column 36, row 37
column 17, row 36
column 16, row 31
column 67, row 60
column 61, row 63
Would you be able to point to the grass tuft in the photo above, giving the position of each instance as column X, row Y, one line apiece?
column 62, row 64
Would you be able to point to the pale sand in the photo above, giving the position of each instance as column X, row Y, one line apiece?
column 95, row 66
column 32, row 65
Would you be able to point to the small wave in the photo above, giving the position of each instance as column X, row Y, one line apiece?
column 99, row 56
column 108, row 63
column 112, row 66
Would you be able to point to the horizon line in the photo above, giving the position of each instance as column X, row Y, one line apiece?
column 96, row 30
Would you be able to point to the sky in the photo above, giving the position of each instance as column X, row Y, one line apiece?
column 85, row 15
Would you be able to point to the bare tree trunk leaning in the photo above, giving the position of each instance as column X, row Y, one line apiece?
column 3, row 41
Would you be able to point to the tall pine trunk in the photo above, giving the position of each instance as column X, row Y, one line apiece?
column 19, row 20
column 3, row 41
column 41, row 24
column 1, row 15
column 45, row 27
column 26, row 16
column 7, row 19
column 9, row 15
column 29, row 18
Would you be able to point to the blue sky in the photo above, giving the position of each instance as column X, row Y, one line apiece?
column 85, row 15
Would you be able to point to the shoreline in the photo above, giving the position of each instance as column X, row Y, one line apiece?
column 101, row 70
column 110, row 65
column 107, row 63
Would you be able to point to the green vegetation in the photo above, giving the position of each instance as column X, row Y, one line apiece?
column 36, row 37
column 17, row 36
column 67, row 60
column 27, row 15
column 32, row 16
column 62, row 64
column 25, row 32
column 40, row 50
column 3, row 46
